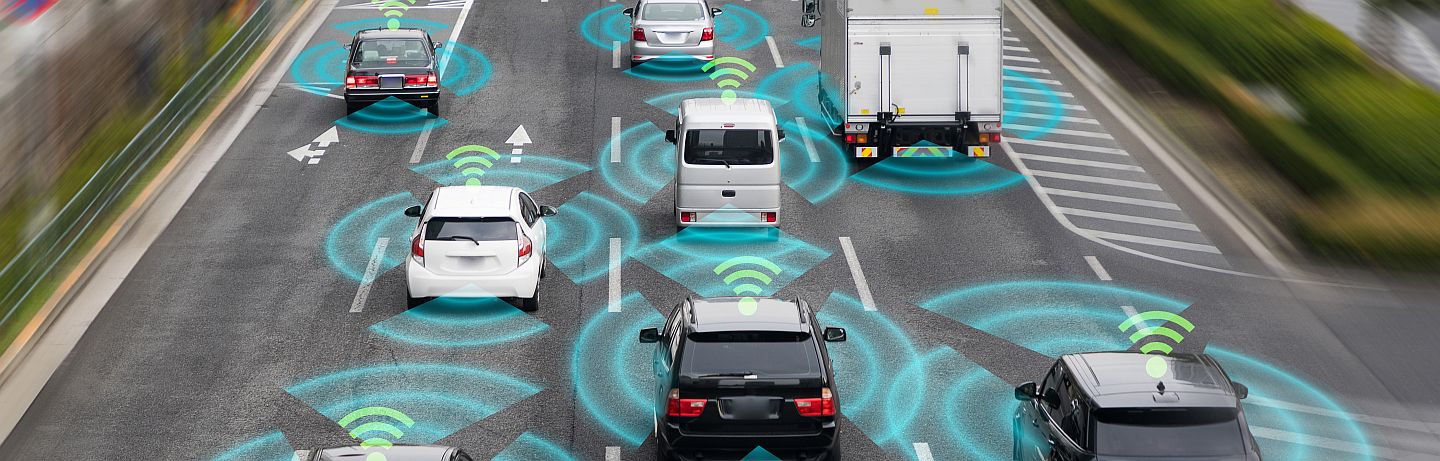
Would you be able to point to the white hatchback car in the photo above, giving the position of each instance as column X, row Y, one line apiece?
column 477, row 242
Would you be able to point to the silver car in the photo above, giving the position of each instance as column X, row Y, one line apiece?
column 671, row 28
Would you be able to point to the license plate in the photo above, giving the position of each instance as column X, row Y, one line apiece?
column 391, row 83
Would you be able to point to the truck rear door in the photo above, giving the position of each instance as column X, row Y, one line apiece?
column 924, row 69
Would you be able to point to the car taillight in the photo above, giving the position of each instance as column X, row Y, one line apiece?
column 361, row 81
column 422, row 80
column 638, row 34
column 769, row 216
column 417, row 249
column 823, row 406
column 684, row 408
column 526, row 247
column 707, row 34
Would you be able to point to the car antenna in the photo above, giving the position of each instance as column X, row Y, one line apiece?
column 1160, row 387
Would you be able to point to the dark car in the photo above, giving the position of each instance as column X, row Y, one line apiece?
column 1104, row 406
column 395, row 453
column 728, row 382
column 397, row 63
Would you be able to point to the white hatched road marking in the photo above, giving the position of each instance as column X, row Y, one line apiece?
column 1131, row 219
column 1017, row 48
column 861, row 286
column 1026, row 102
column 1012, row 78
column 1060, row 131
column 1033, row 70
column 1100, row 271
column 1078, row 162
column 1154, row 241
column 1069, row 146
column 372, row 269
column 1041, row 92
column 1019, row 114
column 1095, row 179
column 1011, row 39
column 1020, row 59
column 1110, row 198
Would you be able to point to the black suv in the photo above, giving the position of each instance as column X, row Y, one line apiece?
column 392, row 62
column 727, row 382
column 1105, row 406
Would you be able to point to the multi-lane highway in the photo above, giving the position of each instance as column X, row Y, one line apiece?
column 273, row 303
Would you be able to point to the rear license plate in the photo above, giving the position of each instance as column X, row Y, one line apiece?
column 751, row 407
column 392, row 82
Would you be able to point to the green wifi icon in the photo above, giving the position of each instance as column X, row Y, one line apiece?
column 728, row 78
column 473, row 173
column 1156, row 367
column 378, row 428
column 393, row 9
column 748, row 282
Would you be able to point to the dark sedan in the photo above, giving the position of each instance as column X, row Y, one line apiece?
column 398, row 63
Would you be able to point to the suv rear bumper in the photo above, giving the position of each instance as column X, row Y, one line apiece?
column 522, row 282
column 712, row 447
column 410, row 95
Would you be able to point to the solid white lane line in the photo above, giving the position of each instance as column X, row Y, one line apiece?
column 614, row 139
column 1069, row 146
column 1020, row 59
column 1099, row 270
column 422, row 142
column 1033, row 70
column 444, row 64
column 615, row 254
column 1131, row 219
column 371, row 270
column 1010, row 114
column 1017, row 48
column 774, row 51
column 1095, row 179
column 1110, row 198
column 922, row 452
column 1178, row 245
column 612, row 453
column 861, row 286
column 1060, row 131
column 1078, row 162
column 1034, row 91
column 809, row 143
column 615, row 53
column 1337, row 444
column 1026, row 102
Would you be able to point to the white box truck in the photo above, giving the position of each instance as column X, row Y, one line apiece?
column 911, row 78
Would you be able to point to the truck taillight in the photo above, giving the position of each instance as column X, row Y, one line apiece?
column 361, row 81
column 823, row 406
column 989, row 137
column 638, row 34
column 707, row 34
column 683, row 408
column 417, row 249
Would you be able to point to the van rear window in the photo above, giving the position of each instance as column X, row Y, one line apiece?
column 728, row 147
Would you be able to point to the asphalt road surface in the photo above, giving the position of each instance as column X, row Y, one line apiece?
column 273, row 303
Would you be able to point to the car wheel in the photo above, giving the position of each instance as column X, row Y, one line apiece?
column 412, row 302
column 1015, row 447
column 531, row 304
column 660, row 454
column 834, row 453
column 434, row 108
column 634, row 64
column 351, row 108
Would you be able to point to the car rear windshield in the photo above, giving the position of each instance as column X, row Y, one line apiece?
column 392, row 52
column 1168, row 432
column 763, row 353
column 477, row 229
column 673, row 12
column 728, row 147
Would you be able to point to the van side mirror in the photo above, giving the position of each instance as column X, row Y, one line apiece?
column 547, row 211
column 812, row 13
column 628, row 12
column 1241, row 391
column 834, row 334
column 650, row 335
column 1025, row 391
column 414, row 211
column 670, row 136
column 716, row 12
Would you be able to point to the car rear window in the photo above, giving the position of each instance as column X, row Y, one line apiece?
column 1168, row 432
column 478, row 229
column 732, row 147
column 763, row 353
column 392, row 52
column 673, row 12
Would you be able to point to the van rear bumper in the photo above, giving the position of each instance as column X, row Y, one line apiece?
column 728, row 217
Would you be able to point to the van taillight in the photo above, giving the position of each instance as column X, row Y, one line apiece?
column 823, row 406
column 638, row 34
column 687, row 217
column 361, row 81
column 770, row 216
column 417, row 249
column 683, row 408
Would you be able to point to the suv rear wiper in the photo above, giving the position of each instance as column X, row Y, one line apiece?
column 458, row 237
column 741, row 374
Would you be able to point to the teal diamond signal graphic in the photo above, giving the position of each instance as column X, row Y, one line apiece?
column 1156, row 367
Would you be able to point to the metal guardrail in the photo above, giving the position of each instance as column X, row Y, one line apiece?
column 35, row 262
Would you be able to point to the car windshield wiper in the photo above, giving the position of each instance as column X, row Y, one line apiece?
column 738, row 374
column 713, row 161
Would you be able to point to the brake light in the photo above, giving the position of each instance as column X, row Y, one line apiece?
column 770, row 216
column 684, row 408
column 638, row 34
column 823, row 406
column 707, row 34
column 422, row 80
column 361, row 81
column 850, row 139
column 417, row 249
column 525, row 248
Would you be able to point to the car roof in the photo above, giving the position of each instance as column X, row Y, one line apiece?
column 723, row 314
column 473, row 201
column 717, row 111
column 1120, row 380
column 391, row 33
column 395, row 453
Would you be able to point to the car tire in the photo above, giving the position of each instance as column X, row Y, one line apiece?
column 351, row 108
column 434, row 109
column 660, row 454
column 834, row 452
column 413, row 302
column 1015, row 445
column 634, row 64
column 530, row 304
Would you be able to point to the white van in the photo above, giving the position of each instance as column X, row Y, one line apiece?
column 728, row 163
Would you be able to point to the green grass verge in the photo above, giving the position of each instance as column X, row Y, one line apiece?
column 1364, row 137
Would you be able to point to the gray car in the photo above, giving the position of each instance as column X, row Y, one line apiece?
column 671, row 28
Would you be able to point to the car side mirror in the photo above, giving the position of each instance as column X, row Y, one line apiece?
column 780, row 134
column 437, row 45
column 834, row 334
column 670, row 136
column 1025, row 391
column 348, row 46
column 628, row 12
column 1241, row 391
column 650, row 335
column 1051, row 398
column 414, row 211
column 546, row 211
column 812, row 13
column 716, row 12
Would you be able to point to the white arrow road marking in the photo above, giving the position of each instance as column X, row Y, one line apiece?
column 302, row 153
column 327, row 138
column 519, row 138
